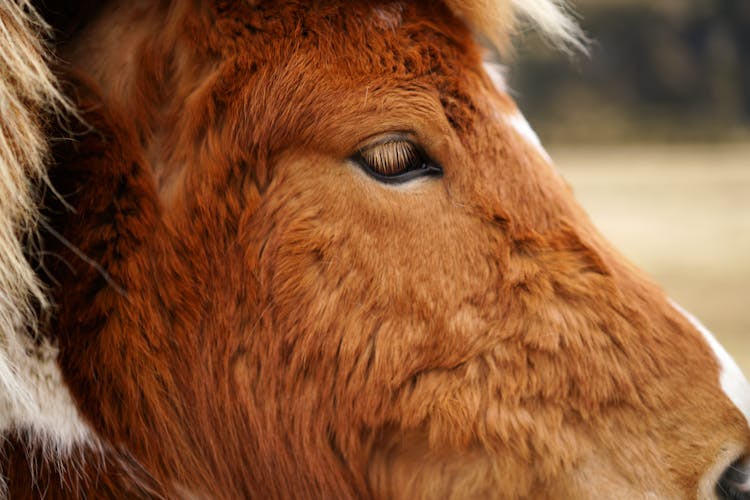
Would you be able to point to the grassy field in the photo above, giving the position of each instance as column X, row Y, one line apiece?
column 683, row 214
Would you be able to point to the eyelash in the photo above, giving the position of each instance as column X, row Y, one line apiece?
column 395, row 160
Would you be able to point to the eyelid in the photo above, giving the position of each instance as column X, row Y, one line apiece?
column 420, row 166
column 393, row 157
column 386, row 137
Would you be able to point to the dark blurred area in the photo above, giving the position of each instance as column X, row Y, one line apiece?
column 666, row 70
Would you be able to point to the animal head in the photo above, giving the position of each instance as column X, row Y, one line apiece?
column 315, row 250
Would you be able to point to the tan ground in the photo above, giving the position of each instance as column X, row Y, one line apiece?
column 683, row 214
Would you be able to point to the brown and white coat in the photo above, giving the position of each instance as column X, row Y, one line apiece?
column 235, row 308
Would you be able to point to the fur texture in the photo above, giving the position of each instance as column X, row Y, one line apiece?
column 265, row 320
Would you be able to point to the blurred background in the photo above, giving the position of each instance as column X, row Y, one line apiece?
column 653, row 132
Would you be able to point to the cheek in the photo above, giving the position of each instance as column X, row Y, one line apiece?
column 353, row 257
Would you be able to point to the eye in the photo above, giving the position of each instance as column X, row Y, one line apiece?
column 395, row 159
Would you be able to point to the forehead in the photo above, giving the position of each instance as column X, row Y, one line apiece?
column 374, row 35
column 340, row 58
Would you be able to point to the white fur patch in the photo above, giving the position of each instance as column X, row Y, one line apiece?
column 518, row 123
column 516, row 120
column 44, row 406
column 732, row 380
column 496, row 72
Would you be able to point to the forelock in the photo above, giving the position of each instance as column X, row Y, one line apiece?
column 497, row 20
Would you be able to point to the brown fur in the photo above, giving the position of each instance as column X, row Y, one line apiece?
column 287, row 327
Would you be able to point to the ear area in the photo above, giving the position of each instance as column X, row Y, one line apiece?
column 498, row 20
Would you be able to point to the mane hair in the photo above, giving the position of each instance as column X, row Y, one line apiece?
column 497, row 20
column 27, row 93
column 33, row 398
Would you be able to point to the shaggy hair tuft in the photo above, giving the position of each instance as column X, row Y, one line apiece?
column 29, row 97
column 497, row 20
